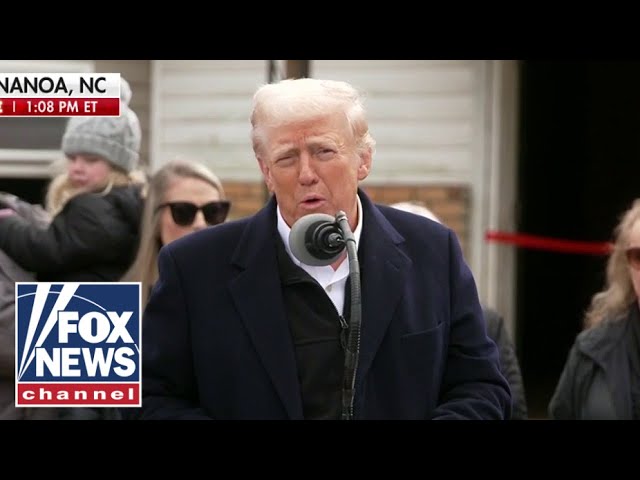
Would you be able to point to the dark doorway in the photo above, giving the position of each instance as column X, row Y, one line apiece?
column 579, row 164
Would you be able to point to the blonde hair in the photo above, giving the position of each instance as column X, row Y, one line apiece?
column 618, row 294
column 144, row 268
column 61, row 190
column 294, row 100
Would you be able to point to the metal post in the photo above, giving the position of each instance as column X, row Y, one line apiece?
column 272, row 70
column 298, row 68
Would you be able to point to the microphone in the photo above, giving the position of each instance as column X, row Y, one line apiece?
column 316, row 239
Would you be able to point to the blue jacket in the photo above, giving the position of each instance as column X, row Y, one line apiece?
column 216, row 341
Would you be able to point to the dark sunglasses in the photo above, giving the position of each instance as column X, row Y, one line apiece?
column 184, row 213
column 633, row 257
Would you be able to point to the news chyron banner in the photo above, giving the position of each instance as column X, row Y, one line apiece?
column 78, row 344
column 59, row 94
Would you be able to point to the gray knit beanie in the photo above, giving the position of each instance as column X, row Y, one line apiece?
column 116, row 139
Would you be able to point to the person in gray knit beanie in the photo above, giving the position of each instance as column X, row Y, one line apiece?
column 116, row 139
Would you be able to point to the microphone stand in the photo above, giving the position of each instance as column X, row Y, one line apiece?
column 352, row 349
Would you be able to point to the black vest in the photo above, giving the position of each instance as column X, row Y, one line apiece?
column 318, row 332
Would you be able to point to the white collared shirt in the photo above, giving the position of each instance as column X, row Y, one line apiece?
column 333, row 281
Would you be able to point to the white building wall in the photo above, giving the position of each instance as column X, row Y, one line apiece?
column 201, row 111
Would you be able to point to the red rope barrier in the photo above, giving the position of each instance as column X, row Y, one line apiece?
column 550, row 244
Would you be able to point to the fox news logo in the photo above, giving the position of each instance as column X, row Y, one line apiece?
column 78, row 344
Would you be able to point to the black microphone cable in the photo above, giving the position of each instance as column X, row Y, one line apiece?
column 352, row 349
column 319, row 239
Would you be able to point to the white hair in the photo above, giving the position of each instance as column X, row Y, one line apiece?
column 294, row 100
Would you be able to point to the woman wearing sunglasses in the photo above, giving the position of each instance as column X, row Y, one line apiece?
column 601, row 378
column 183, row 197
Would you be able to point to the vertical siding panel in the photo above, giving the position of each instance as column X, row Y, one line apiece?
column 204, row 113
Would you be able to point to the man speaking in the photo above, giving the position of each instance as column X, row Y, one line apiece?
column 240, row 327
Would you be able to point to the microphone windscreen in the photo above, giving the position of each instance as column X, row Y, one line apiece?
column 301, row 231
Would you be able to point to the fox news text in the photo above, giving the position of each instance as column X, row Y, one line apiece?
column 59, row 94
column 78, row 344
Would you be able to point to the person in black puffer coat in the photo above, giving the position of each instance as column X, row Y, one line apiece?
column 95, row 207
